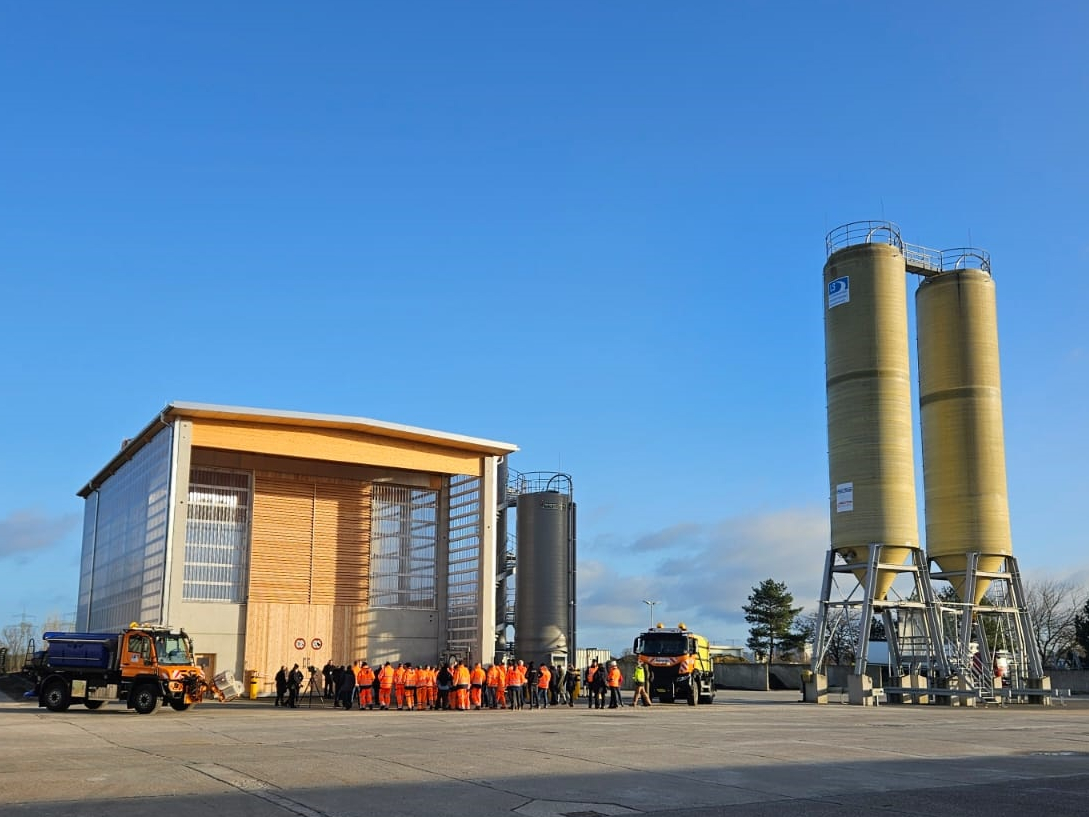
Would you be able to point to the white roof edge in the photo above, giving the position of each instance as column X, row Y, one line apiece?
column 343, row 419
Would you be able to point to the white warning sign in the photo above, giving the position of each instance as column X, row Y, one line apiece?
column 845, row 497
column 839, row 291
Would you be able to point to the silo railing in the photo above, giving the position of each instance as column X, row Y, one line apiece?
column 925, row 261
column 966, row 258
column 863, row 232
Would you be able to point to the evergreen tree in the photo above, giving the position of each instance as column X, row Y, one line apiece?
column 1081, row 628
column 771, row 615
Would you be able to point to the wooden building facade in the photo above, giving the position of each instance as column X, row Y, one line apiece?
column 277, row 538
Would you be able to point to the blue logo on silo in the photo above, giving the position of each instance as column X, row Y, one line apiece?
column 839, row 291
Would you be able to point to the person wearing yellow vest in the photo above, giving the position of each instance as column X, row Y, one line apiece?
column 639, row 678
column 614, row 679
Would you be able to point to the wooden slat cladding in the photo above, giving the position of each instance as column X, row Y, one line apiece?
column 309, row 563
column 311, row 540
column 281, row 540
column 271, row 630
column 334, row 445
column 342, row 535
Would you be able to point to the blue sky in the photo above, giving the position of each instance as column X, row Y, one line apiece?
column 593, row 230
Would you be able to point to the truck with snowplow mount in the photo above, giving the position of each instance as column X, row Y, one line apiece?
column 139, row 666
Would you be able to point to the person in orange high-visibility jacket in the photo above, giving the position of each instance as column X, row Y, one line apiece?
column 399, row 686
column 410, row 686
column 429, row 695
column 491, row 686
column 433, row 687
column 501, row 685
column 421, row 687
column 476, row 685
column 614, row 679
column 516, row 681
column 364, row 678
column 544, row 678
column 461, row 686
column 385, row 685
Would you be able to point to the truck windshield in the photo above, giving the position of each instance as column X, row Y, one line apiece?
column 662, row 645
column 173, row 649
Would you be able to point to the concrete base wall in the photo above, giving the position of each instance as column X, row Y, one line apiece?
column 1076, row 680
column 762, row 677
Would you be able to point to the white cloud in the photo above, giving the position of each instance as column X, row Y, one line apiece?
column 700, row 573
column 25, row 532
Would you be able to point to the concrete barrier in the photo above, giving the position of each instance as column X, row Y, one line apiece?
column 743, row 676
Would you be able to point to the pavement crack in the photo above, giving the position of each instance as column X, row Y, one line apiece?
column 255, row 787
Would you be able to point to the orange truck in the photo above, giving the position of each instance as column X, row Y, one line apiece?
column 140, row 666
column 679, row 662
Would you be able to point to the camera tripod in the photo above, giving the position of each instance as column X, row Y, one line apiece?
column 314, row 689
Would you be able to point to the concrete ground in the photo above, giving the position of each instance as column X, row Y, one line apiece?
column 748, row 754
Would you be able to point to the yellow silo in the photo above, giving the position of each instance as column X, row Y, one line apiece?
column 960, row 398
column 868, row 380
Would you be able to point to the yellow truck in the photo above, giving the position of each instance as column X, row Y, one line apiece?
column 679, row 664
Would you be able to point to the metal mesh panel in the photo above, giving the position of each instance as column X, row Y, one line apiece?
column 463, row 574
column 217, row 535
column 404, row 537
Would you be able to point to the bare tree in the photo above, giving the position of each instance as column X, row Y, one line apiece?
column 841, row 637
column 15, row 638
column 1053, row 605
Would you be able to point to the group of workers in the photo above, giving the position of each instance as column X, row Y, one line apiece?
column 511, row 685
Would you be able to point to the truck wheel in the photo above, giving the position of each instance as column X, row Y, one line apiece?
column 93, row 704
column 145, row 698
column 708, row 697
column 178, row 705
column 693, row 692
column 56, row 696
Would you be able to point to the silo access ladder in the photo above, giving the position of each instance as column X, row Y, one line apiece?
column 971, row 673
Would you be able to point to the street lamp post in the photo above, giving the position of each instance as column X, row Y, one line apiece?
column 651, row 605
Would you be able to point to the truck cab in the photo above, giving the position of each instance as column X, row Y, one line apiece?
column 679, row 664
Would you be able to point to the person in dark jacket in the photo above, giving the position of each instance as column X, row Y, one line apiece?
column 329, row 674
column 529, row 690
column 598, row 686
column 346, row 690
column 444, row 681
column 294, row 682
column 281, row 686
column 332, row 687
